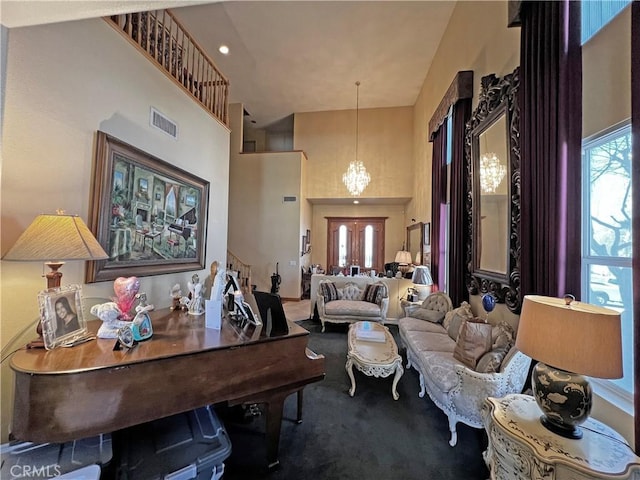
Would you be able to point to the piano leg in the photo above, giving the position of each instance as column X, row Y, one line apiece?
column 274, row 406
column 299, row 417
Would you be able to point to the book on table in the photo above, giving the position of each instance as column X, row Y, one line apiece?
column 366, row 331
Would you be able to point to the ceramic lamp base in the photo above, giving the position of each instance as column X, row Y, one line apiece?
column 422, row 291
column 563, row 397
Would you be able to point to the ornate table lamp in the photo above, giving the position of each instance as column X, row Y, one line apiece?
column 422, row 281
column 403, row 259
column 569, row 339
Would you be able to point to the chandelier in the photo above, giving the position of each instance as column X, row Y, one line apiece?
column 356, row 178
column 491, row 172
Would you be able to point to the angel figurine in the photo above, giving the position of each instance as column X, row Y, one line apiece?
column 196, row 304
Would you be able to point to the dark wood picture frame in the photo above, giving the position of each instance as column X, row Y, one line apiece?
column 144, row 234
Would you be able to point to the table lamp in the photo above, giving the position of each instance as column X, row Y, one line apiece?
column 53, row 239
column 422, row 281
column 403, row 259
column 569, row 339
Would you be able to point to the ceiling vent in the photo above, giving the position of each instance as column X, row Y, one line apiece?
column 289, row 198
column 163, row 123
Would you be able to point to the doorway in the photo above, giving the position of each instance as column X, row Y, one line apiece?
column 355, row 241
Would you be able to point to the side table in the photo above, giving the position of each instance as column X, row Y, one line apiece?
column 520, row 448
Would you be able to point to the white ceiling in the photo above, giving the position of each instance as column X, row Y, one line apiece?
column 297, row 56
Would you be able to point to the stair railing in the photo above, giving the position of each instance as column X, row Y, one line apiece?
column 166, row 43
column 243, row 269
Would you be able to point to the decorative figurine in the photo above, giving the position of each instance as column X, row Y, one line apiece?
column 196, row 304
column 143, row 306
column 176, row 295
column 109, row 313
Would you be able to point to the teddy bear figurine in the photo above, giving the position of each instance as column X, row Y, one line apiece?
column 109, row 313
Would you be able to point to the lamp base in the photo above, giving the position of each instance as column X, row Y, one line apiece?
column 423, row 291
column 565, row 399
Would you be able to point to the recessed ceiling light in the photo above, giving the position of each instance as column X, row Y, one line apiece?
column 223, row 49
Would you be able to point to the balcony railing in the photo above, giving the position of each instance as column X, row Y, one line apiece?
column 164, row 41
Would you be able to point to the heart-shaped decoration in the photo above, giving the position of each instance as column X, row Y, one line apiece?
column 126, row 288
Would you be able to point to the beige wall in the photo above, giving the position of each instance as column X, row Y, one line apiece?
column 63, row 83
column 265, row 230
column 385, row 148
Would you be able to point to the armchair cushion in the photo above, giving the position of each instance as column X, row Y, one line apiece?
column 350, row 291
column 473, row 342
column 429, row 315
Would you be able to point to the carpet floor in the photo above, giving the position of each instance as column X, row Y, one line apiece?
column 368, row 436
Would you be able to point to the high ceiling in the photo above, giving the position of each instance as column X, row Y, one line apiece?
column 299, row 56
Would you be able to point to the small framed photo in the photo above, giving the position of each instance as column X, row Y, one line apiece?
column 355, row 270
column 61, row 316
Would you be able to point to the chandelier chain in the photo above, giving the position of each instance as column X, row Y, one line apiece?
column 356, row 178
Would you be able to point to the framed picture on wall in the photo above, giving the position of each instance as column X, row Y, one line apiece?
column 355, row 270
column 145, row 234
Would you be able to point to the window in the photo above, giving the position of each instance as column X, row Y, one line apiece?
column 606, row 233
column 597, row 13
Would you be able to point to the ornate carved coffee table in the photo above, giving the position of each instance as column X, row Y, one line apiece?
column 373, row 358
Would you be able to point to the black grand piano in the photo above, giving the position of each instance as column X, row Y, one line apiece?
column 184, row 224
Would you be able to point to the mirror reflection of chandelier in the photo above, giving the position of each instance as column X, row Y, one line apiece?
column 491, row 172
column 356, row 178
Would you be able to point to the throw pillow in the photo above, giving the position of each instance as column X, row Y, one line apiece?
column 428, row 315
column 473, row 341
column 505, row 335
column 491, row 361
column 373, row 293
column 329, row 291
column 463, row 310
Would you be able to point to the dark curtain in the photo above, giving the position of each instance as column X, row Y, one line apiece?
column 458, row 228
column 635, row 179
column 438, row 201
column 551, row 126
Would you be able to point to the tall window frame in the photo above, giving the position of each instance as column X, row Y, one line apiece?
column 606, row 243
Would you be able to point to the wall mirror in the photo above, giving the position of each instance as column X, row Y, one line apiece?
column 414, row 242
column 493, row 180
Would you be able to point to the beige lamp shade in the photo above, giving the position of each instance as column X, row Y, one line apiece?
column 56, row 238
column 403, row 257
column 576, row 337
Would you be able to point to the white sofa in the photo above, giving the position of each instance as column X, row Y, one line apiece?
column 430, row 332
column 351, row 303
